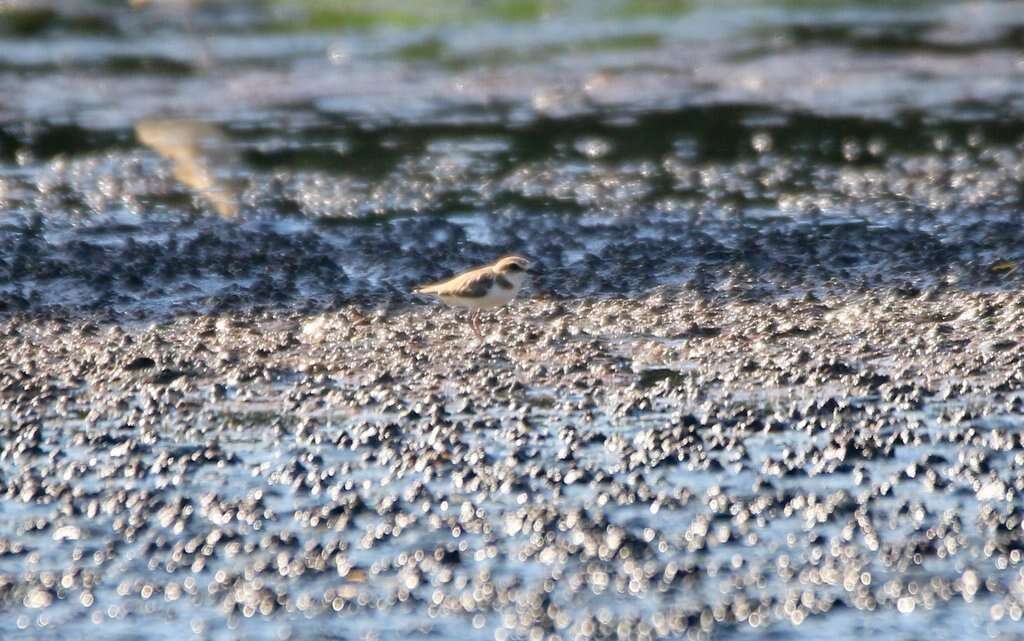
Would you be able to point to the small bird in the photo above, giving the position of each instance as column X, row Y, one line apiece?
column 482, row 288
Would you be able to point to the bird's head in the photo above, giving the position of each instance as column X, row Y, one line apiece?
column 514, row 268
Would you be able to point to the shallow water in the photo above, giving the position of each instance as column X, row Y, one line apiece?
column 262, row 172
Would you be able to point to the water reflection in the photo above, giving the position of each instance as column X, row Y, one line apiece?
column 198, row 152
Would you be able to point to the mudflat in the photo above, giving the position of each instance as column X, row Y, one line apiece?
column 766, row 381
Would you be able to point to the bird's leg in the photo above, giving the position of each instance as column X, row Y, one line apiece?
column 474, row 322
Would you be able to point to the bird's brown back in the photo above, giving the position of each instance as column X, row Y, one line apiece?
column 472, row 284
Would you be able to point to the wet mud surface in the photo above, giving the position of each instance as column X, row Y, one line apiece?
column 664, row 465
column 765, row 384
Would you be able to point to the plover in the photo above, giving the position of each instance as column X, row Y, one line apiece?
column 482, row 288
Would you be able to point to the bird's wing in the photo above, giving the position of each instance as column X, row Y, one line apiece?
column 474, row 284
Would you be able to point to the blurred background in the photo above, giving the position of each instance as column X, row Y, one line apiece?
column 123, row 119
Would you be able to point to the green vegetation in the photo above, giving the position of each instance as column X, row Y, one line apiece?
column 367, row 14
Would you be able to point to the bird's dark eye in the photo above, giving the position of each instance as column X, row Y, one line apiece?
column 515, row 268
